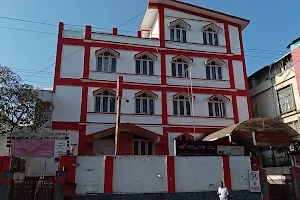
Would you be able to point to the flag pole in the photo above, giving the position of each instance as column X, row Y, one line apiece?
column 118, row 114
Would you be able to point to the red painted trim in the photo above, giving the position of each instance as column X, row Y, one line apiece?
column 194, row 43
column 98, row 91
column 130, row 114
column 83, row 116
column 146, row 91
column 88, row 32
column 152, row 49
column 199, row 79
column 181, row 56
column 198, row 14
column 137, row 55
column 190, row 129
column 108, row 174
column 115, row 31
column 171, row 174
column 87, row 51
column 227, row 38
column 58, row 54
column 139, row 34
column 56, row 125
column 231, row 74
column 161, row 18
column 245, row 71
column 227, row 173
column 5, row 165
column 105, row 49
column 123, row 73
column 235, row 109
column 209, row 117
column 154, row 87
column 183, row 94
column 68, row 164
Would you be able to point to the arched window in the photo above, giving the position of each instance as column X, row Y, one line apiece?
column 107, row 60
column 180, row 66
column 182, row 104
column 210, row 34
column 105, row 101
column 217, row 106
column 178, row 30
column 144, row 63
column 144, row 102
column 214, row 69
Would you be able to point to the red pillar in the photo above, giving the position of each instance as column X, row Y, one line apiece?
column 108, row 174
column 171, row 174
column 226, row 171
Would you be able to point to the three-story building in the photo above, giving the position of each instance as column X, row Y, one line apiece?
column 183, row 73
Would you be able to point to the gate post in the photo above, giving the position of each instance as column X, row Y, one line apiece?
column 60, row 180
column 295, row 172
column 264, row 185
column 6, row 180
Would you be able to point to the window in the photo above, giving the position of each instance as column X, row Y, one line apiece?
column 210, row 37
column 180, row 68
column 144, row 103
column 106, row 62
column 216, row 107
column 178, row 34
column 213, row 71
column 286, row 100
column 105, row 102
column 144, row 65
column 182, row 105
column 211, row 34
column 142, row 147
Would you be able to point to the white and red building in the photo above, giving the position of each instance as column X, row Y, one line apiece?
column 178, row 45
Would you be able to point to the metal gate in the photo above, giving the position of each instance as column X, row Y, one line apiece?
column 33, row 188
column 281, row 188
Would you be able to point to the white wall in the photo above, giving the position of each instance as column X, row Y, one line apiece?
column 67, row 104
column 242, row 108
column 72, row 66
column 234, row 40
column 125, row 65
column 138, row 174
column 198, row 70
column 238, row 74
column 198, row 173
column 124, row 39
column 239, row 170
column 194, row 35
column 155, row 28
column 90, row 174
column 36, row 165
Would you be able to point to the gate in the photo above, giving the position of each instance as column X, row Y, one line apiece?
column 281, row 188
column 33, row 188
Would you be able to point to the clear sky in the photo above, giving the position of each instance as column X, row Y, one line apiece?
column 274, row 24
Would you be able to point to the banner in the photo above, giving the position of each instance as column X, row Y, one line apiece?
column 254, row 181
column 231, row 150
column 32, row 148
column 60, row 148
column 195, row 148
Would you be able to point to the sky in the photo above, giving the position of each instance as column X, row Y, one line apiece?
column 273, row 25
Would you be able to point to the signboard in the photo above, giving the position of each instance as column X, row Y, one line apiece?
column 254, row 181
column 231, row 150
column 274, row 138
column 195, row 148
column 60, row 148
column 32, row 148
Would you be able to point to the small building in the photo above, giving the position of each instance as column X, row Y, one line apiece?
column 274, row 89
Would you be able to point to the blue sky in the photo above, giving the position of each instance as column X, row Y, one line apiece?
column 274, row 24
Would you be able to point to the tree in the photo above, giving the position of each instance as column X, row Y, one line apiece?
column 20, row 106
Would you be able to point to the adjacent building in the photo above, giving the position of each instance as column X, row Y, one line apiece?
column 183, row 73
column 274, row 89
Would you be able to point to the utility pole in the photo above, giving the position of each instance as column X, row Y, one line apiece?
column 118, row 115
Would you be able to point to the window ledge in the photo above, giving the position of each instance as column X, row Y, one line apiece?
column 209, row 117
column 200, row 79
column 96, row 71
column 198, row 44
column 136, row 114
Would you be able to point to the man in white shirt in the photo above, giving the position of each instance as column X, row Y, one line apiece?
column 223, row 191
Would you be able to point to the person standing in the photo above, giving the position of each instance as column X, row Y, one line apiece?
column 223, row 191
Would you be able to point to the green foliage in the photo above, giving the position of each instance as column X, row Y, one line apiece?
column 19, row 103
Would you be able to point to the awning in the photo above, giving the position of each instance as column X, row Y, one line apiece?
column 261, row 127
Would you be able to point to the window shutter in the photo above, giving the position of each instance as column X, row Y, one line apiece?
column 151, row 70
column 175, row 108
column 172, row 34
column 97, row 104
column 145, row 108
column 99, row 63
column 137, row 106
column 188, row 108
column 204, row 38
column 207, row 72
column 137, row 67
column 213, row 71
column 173, row 69
column 113, row 64
column 183, row 35
column 180, row 73
column 181, row 107
column 210, row 38
column 145, row 67
column 112, row 104
column 105, row 104
column 210, row 109
column 220, row 73
column 216, row 39
column 151, row 105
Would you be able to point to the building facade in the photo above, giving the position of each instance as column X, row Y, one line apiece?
column 274, row 89
column 183, row 73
